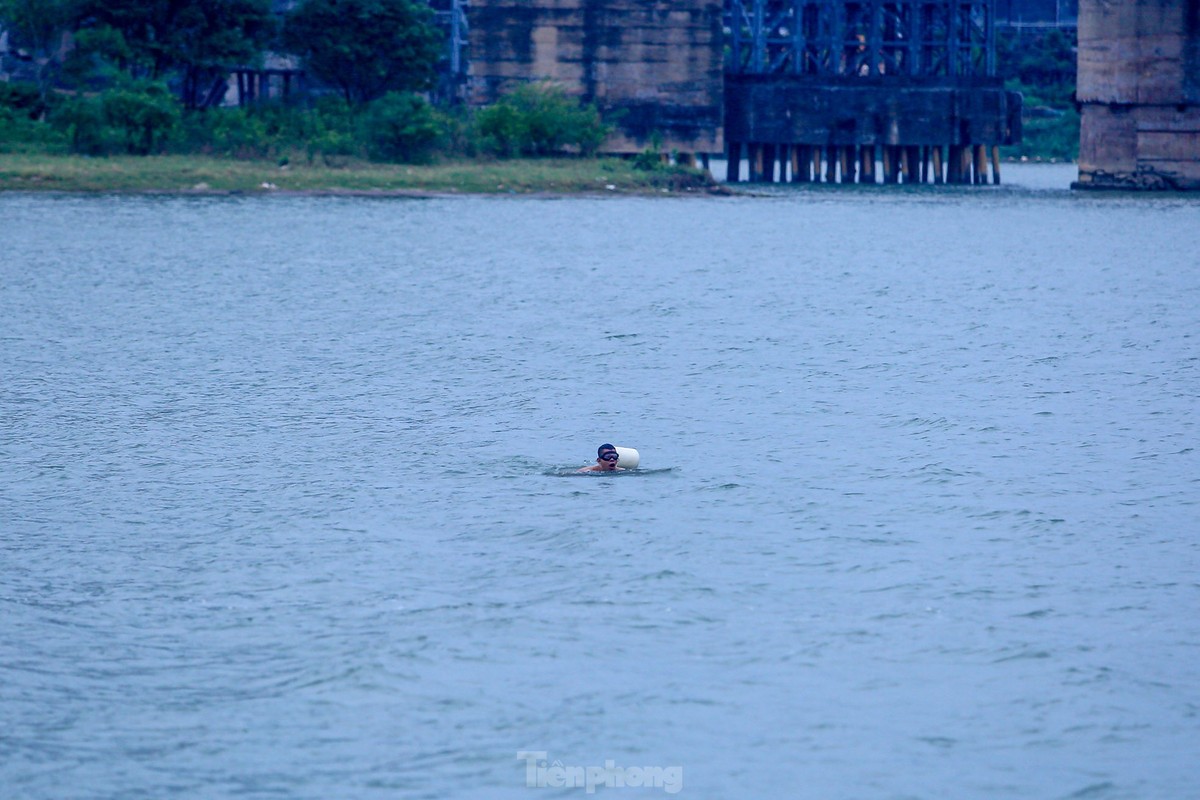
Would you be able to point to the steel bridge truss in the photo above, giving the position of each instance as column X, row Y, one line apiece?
column 451, row 17
column 924, row 38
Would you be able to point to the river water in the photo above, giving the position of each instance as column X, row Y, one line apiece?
column 288, row 504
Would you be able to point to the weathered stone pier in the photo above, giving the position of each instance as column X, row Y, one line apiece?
column 1139, row 94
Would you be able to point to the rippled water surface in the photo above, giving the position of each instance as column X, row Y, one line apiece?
column 288, row 506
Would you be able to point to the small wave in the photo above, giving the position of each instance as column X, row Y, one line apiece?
column 573, row 472
column 1103, row 789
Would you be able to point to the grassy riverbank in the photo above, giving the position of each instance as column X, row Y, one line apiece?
column 201, row 174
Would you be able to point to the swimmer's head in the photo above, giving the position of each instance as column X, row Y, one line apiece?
column 604, row 448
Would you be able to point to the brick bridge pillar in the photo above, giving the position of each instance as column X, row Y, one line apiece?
column 1139, row 94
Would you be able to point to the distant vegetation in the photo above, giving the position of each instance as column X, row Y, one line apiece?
column 1041, row 66
column 148, row 77
column 366, row 48
column 143, row 117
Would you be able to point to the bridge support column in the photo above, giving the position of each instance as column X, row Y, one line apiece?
column 733, row 162
column 886, row 130
column 754, row 158
column 799, row 162
column 769, row 157
column 996, row 164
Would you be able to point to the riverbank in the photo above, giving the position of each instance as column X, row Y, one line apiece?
column 207, row 174
column 565, row 176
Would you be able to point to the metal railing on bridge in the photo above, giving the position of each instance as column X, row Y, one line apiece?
column 870, row 38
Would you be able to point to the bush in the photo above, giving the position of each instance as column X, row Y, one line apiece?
column 539, row 119
column 21, row 110
column 460, row 134
column 144, row 114
column 137, row 117
column 22, row 99
column 648, row 160
column 332, row 132
column 334, row 147
column 269, row 129
column 81, row 120
column 252, row 132
column 400, row 126
column 233, row 132
column 651, row 158
column 332, row 112
column 502, row 129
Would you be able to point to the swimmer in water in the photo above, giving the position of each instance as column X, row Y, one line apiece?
column 606, row 460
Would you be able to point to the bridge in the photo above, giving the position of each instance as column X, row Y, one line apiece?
column 801, row 90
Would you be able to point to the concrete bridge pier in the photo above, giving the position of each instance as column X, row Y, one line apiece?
column 1139, row 94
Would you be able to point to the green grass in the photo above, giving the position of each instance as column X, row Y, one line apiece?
column 28, row 171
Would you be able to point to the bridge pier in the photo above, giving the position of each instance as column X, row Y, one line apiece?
column 962, row 165
column 853, row 85
column 1139, row 95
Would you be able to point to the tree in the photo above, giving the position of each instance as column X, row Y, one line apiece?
column 401, row 126
column 202, row 40
column 39, row 25
column 366, row 48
